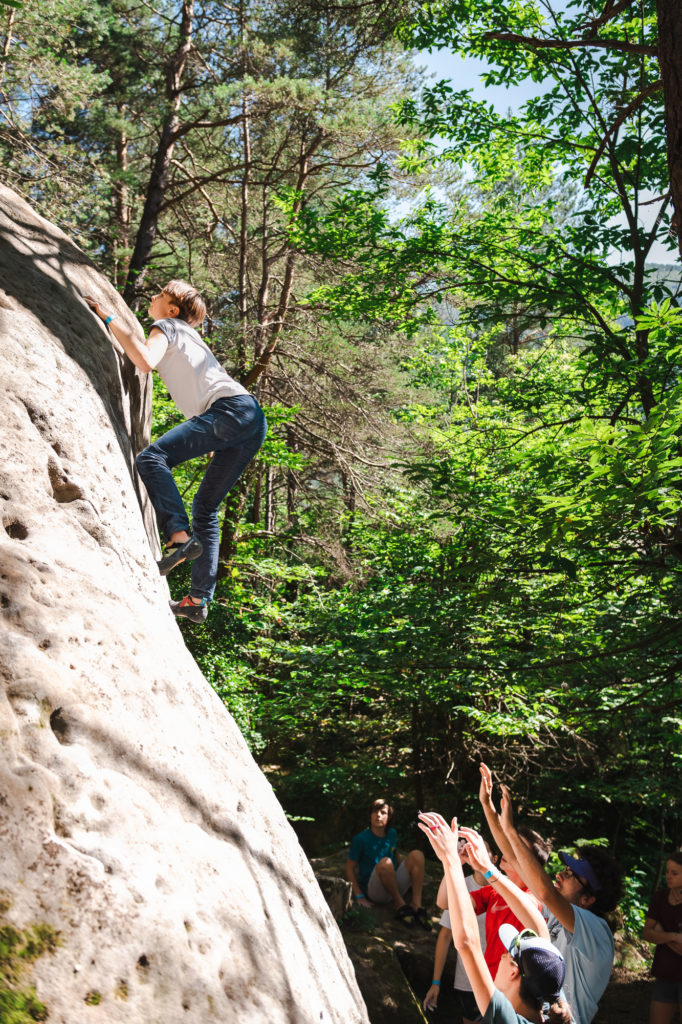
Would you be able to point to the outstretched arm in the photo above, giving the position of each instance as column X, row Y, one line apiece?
column 520, row 903
column 443, row 839
column 485, row 795
column 440, row 956
column 531, row 871
column 144, row 354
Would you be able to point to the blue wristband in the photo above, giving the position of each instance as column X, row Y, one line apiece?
column 361, row 896
column 112, row 316
column 434, row 982
column 491, row 875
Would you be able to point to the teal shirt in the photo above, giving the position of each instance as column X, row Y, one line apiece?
column 501, row 1011
column 368, row 849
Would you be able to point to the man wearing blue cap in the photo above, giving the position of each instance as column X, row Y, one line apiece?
column 589, row 886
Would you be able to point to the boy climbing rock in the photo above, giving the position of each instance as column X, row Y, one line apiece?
column 222, row 417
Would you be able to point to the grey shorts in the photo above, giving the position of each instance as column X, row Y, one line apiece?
column 376, row 891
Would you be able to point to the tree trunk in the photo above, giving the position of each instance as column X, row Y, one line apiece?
column 257, row 498
column 670, row 59
column 234, row 504
column 122, row 203
column 349, row 498
column 292, row 484
column 158, row 182
column 269, row 501
column 273, row 328
column 417, row 755
column 8, row 41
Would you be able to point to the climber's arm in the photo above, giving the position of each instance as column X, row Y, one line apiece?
column 144, row 354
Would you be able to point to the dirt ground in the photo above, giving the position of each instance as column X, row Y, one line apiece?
column 626, row 1000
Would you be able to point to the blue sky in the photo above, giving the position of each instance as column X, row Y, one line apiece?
column 465, row 73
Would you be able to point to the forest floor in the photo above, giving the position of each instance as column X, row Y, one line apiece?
column 626, row 1000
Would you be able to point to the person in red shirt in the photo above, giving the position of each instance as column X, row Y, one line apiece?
column 532, row 970
column 491, row 903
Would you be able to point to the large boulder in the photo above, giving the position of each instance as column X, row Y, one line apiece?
column 147, row 872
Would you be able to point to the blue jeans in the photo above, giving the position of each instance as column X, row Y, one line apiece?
column 234, row 428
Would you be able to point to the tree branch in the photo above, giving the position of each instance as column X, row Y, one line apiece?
column 534, row 43
column 623, row 116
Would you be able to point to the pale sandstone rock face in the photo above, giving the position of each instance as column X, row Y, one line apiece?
column 133, row 819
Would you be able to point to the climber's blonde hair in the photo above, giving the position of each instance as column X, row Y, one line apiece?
column 191, row 306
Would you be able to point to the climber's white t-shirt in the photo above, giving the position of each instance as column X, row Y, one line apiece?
column 190, row 371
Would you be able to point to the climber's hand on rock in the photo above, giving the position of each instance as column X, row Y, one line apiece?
column 95, row 306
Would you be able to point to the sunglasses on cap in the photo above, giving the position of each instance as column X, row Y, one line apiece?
column 515, row 946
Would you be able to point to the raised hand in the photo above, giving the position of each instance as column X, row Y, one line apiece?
column 506, row 812
column 485, row 793
column 443, row 837
column 476, row 851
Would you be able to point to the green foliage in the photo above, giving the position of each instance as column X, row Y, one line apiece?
column 520, row 586
column 18, row 950
column 634, row 903
column 462, row 538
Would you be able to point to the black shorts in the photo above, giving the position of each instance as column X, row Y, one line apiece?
column 467, row 1005
column 667, row 991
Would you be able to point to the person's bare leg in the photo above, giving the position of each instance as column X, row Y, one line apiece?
column 414, row 863
column 386, row 875
column 661, row 1013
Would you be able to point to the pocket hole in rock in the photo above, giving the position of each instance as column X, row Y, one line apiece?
column 15, row 529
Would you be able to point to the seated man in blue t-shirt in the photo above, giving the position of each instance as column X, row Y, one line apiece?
column 377, row 872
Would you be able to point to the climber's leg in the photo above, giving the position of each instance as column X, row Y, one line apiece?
column 240, row 430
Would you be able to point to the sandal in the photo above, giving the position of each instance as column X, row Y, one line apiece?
column 422, row 918
column 406, row 915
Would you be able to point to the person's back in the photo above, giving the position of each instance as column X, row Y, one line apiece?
column 487, row 901
column 588, row 952
column 591, row 883
column 190, row 371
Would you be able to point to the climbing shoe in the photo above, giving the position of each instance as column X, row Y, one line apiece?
column 178, row 553
column 187, row 609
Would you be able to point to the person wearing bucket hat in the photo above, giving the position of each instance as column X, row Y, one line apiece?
column 588, row 887
column 531, row 972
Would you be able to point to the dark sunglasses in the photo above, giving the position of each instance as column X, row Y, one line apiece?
column 586, row 885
